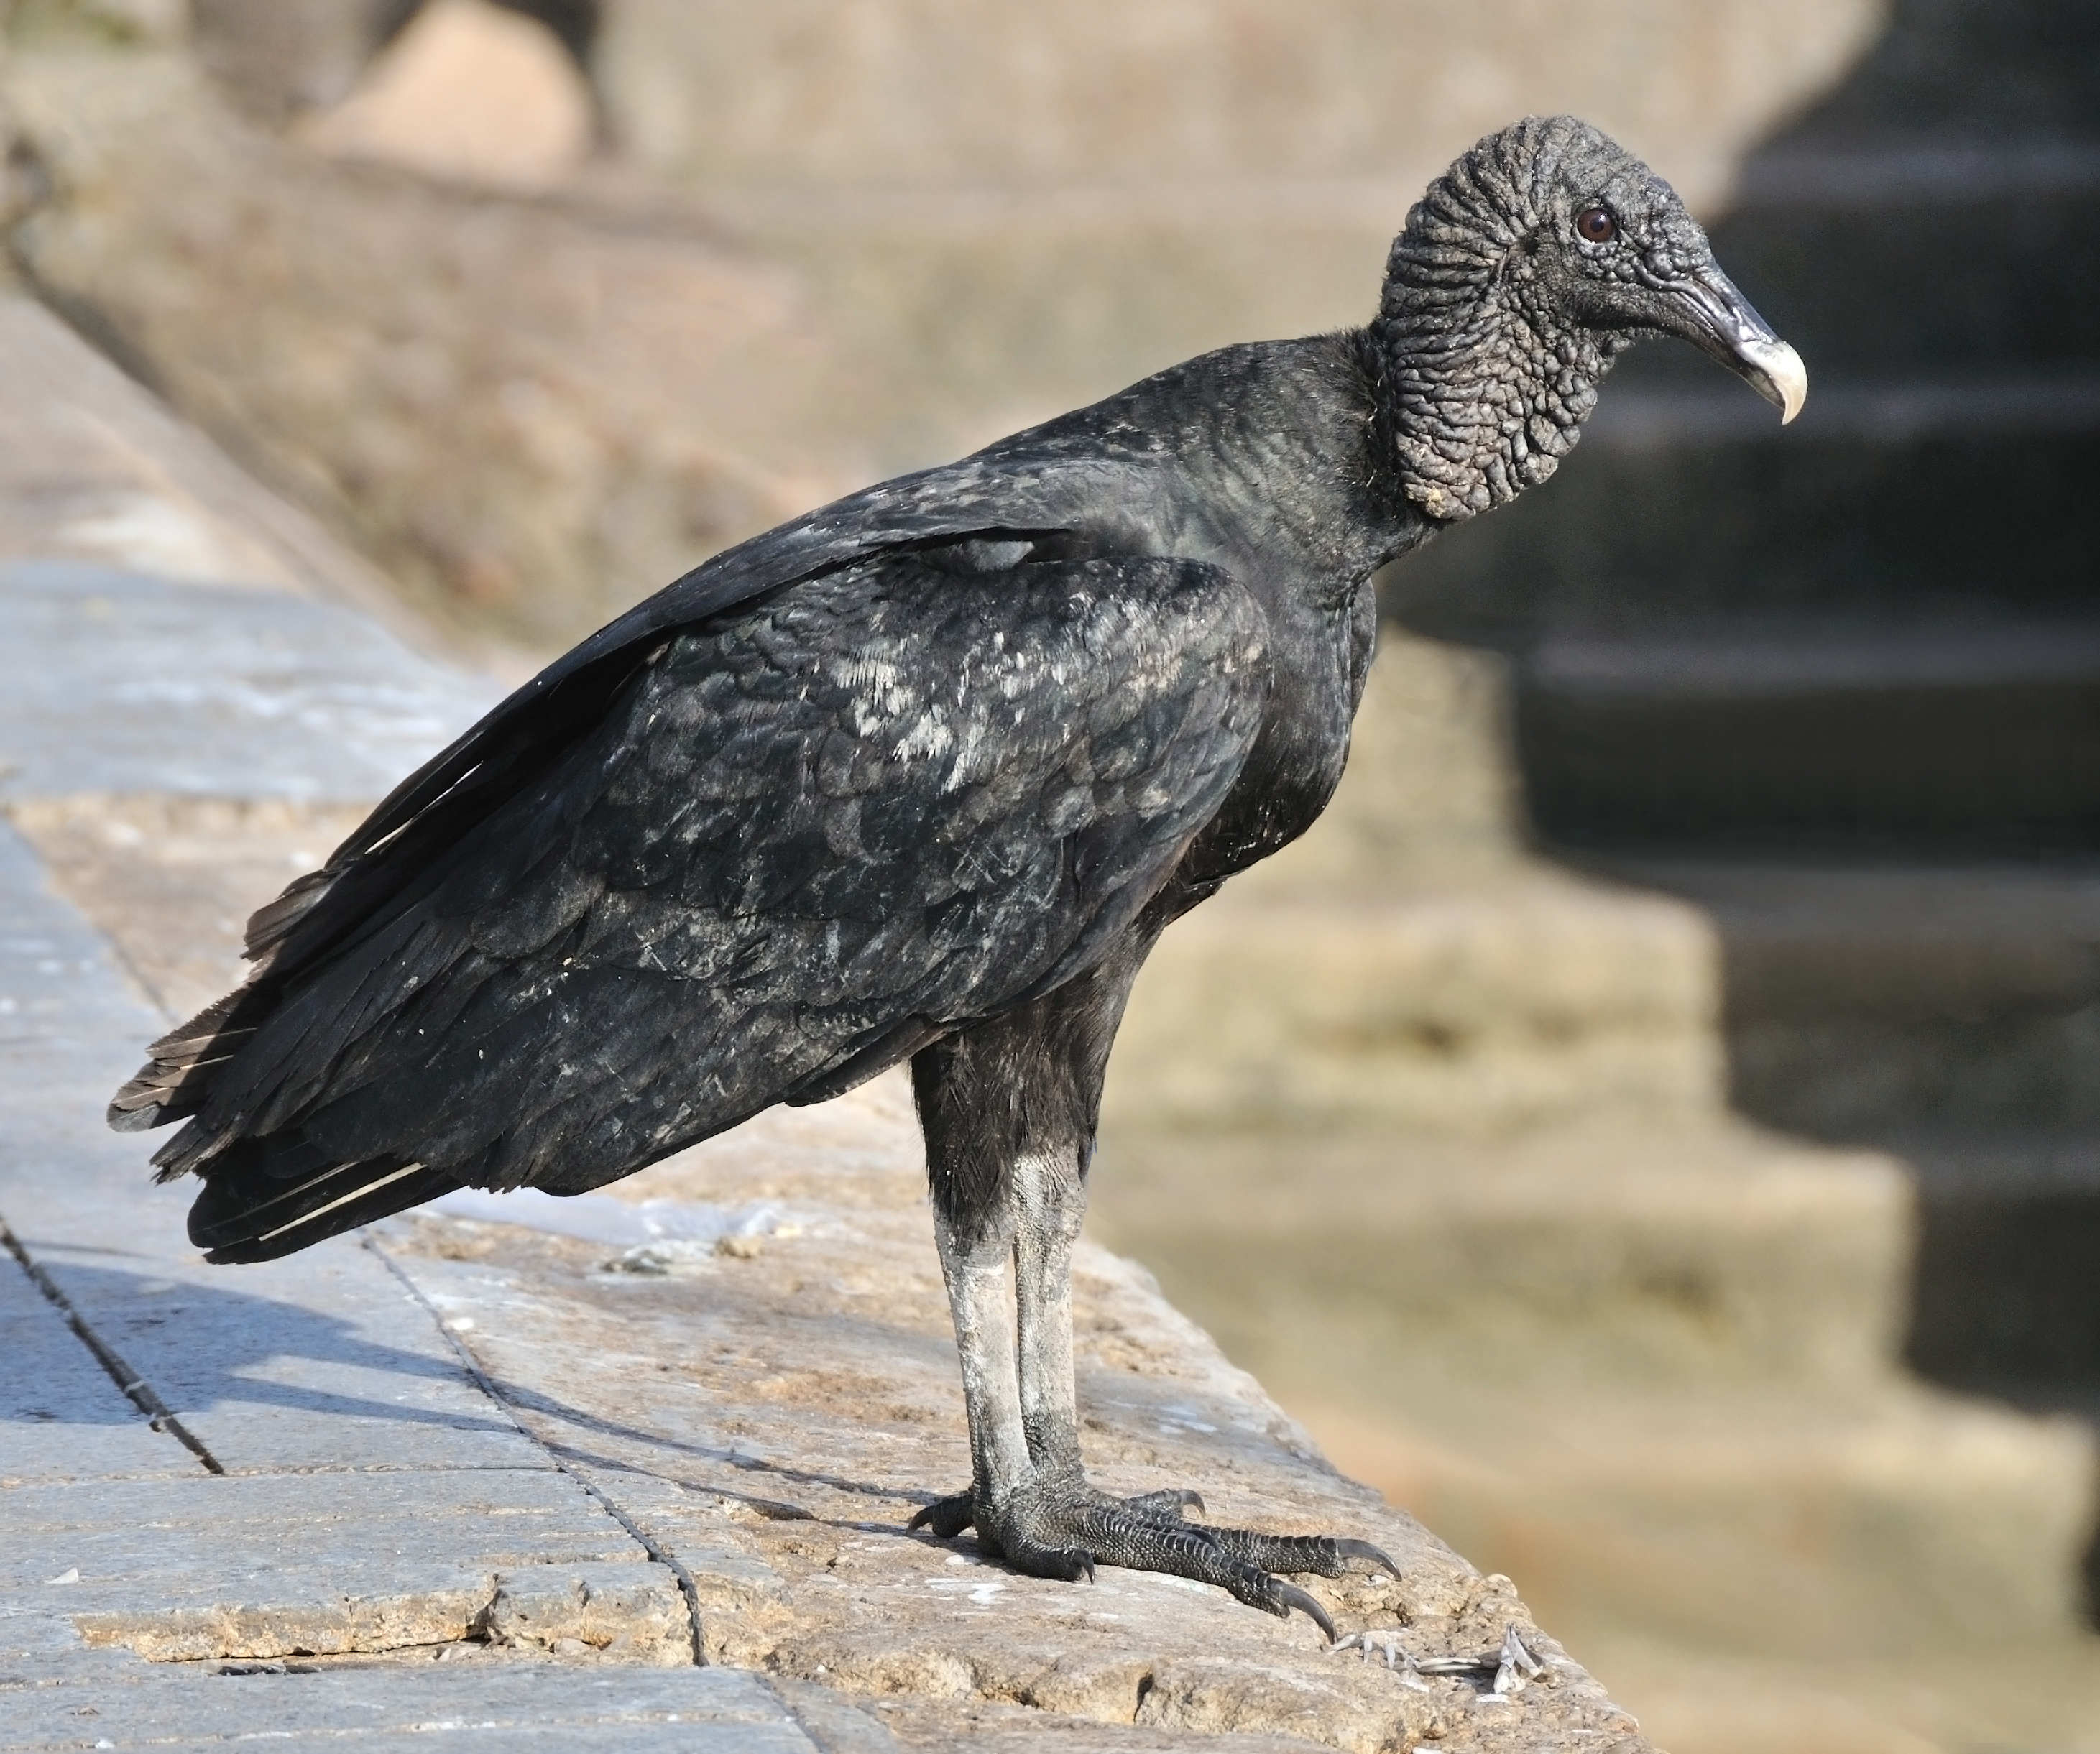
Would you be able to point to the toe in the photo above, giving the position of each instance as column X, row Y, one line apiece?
column 1318, row 1555
column 947, row 1518
column 1175, row 1502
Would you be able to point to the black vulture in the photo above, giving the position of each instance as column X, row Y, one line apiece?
column 922, row 776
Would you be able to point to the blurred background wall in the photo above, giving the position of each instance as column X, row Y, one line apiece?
column 743, row 255
column 1647, row 1129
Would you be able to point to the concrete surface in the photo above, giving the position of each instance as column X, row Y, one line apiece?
column 651, row 1498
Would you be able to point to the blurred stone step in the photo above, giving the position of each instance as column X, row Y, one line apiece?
column 1759, row 1520
column 2023, row 211
column 2008, row 1232
column 1011, row 214
column 1499, row 999
column 1687, row 1253
column 1849, row 736
column 1652, row 1377
column 1840, row 1002
column 1941, row 488
column 1710, row 1699
column 1646, row 1375
column 1697, row 1252
column 1936, row 1008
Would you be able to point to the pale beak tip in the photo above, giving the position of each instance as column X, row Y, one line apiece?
column 1781, row 369
column 1796, row 397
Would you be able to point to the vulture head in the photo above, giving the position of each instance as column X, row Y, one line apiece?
column 1526, row 269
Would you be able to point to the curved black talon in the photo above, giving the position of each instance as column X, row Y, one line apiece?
column 1292, row 1597
column 1363, row 1549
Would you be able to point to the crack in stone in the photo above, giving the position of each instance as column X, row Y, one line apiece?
column 658, row 1553
column 135, row 1387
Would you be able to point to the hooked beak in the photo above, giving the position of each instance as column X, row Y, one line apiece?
column 1721, row 323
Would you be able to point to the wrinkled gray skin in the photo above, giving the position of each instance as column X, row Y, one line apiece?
column 1500, row 319
column 922, row 776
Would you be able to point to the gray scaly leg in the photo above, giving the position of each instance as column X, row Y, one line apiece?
column 1029, row 1499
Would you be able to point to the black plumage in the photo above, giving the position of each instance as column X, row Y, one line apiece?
column 921, row 776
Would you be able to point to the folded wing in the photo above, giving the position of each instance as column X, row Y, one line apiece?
column 806, row 838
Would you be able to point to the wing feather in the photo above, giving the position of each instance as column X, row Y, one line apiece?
column 809, row 838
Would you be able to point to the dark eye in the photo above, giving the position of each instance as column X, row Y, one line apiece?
column 1596, row 225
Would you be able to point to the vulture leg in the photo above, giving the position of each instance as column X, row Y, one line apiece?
column 1009, row 1108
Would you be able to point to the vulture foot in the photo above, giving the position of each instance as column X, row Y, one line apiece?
column 1060, row 1526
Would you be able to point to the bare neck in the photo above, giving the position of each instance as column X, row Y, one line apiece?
column 1480, row 392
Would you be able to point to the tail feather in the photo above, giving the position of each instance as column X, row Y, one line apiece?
column 271, row 923
column 256, row 1206
column 174, row 1082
